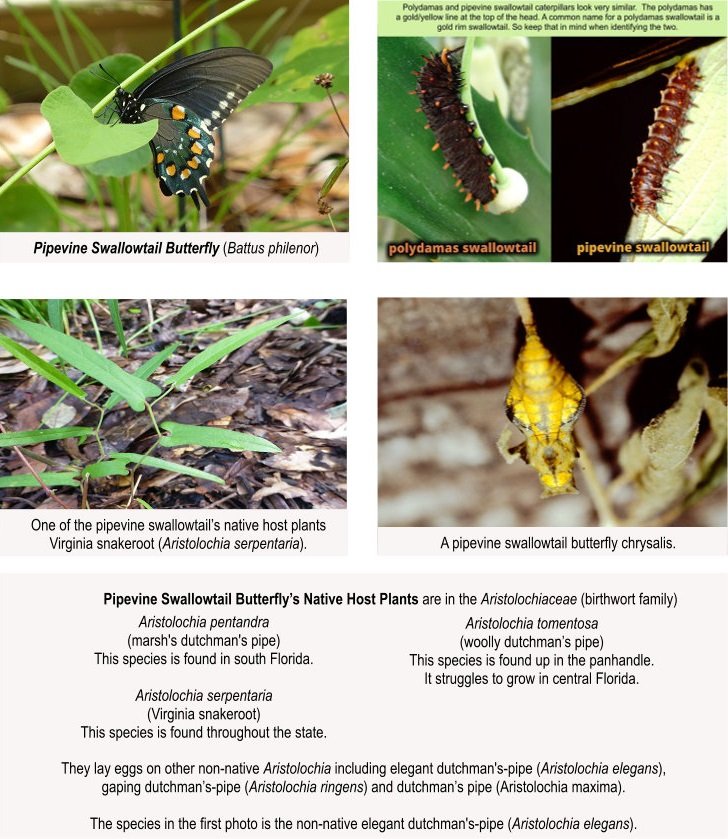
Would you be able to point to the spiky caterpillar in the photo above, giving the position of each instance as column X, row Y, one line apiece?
column 439, row 85
column 660, row 150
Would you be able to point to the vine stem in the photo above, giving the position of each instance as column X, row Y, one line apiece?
column 49, row 149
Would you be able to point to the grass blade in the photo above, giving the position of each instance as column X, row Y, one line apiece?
column 265, row 28
column 55, row 314
column 181, row 434
column 63, row 31
column 43, row 368
column 118, row 326
column 93, row 46
column 168, row 465
column 81, row 356
column 48, row 81
column 220, row 349
column 31, row 29
column 42, row 435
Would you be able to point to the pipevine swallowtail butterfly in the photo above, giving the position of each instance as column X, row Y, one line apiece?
column 191, row 98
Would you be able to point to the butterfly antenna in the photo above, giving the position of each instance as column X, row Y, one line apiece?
column 108, row 75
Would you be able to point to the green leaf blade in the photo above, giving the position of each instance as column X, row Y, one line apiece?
column 51, row 479
column 42, row 367
column 82, row 357
column 105, row 469
column 168, row 465
column 322, row 47
column 91, row 84
column 42, row 435
column 181, row 434
column 55, row 314
column 221, row 348
column 145, row 371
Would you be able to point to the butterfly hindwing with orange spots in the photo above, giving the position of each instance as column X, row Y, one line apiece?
column 183, row 150
column 191, row 98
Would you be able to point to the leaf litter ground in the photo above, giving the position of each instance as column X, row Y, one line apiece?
column 288, row 386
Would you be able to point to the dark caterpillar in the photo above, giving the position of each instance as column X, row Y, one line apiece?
column 439, row 85
column 659, row 151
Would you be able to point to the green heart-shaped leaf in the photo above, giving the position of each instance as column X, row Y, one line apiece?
column 80, row 139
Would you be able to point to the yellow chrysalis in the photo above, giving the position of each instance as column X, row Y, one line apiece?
column 544, row 402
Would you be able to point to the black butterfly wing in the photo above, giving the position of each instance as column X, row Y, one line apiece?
column 191, row 98
column 182, row 148
column 211, row 83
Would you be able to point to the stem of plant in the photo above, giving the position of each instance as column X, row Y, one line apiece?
column 94, row 325
column 607, row 517
column 148, row 327
column 158, row 399
column 150, row 309
column 154, row 420
column 336, row 111
column 233, row 10
column 43, row 459
column 102, row 414
column 134, row 480
column 134, row 487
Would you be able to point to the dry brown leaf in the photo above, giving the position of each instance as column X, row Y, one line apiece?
column 283, row 489
column 59, row 414
column 655, row 460
column 302, row 459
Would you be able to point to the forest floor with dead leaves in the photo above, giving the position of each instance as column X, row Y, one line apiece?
column 287, row 386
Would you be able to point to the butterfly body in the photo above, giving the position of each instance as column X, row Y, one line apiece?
column 190, row 99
